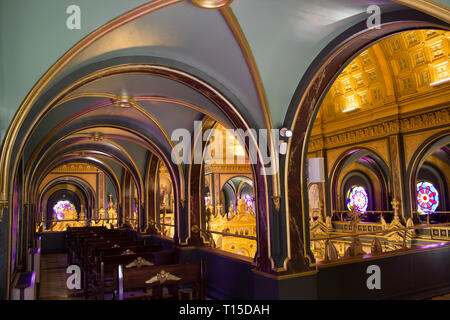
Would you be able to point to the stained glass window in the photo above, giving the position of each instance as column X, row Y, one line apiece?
column 61, row 209
column 248, row 201
column 427, row 197
column 357, row 196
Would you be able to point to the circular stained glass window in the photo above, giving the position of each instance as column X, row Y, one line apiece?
column 427, row 197
column 61, row 209
column 357, row 197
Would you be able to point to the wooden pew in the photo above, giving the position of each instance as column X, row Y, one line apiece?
column 109, row 265
column 134, row 280
column 88, row 258
column 74, row 240
column 108, row 251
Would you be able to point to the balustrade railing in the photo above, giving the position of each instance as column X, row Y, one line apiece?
column 400, row 235
column 339, row 214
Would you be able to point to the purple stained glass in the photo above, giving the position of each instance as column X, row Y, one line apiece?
column 357, row 197
column 61, row 208
column 248, row 201
column 427, row 197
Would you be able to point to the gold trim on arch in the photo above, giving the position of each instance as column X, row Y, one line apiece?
column 247, row 52
column 158, row 153
column 106, row 140
column 57, row 162
column 296, row 115
column 165, row 72
column 52, row 73
column 129, row 68
column 71, row 156
column 241, row 39
column 25, row 107
column 134, row 104
column 430, row 7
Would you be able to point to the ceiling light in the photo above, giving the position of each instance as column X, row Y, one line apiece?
column 436, row 83
column 349, row 109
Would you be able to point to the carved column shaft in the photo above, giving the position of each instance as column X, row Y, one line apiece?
column 152, row 194
column 397, row 173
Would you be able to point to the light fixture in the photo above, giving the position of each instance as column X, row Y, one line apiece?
column 349, row 109
column 436, row 83
column 122, row 102
column 282, row 146
column 211, row 4
column 286, row 133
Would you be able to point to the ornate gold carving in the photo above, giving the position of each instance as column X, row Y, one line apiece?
column 195, row 229
column 139, row 262
column 425, row 120
column 376, row 247
column 53, row 72
column 76, row 168
column 162, row 277
column 242, row 223
column 396, row 222
column 123, row 102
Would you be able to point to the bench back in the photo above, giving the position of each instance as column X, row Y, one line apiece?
column 163, row 276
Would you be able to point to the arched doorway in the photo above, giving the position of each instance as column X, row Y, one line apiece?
column 341, row 94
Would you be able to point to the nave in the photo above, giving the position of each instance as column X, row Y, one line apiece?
column 107, row 254
column 224, row 150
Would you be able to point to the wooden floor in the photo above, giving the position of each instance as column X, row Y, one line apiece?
column 53, row 278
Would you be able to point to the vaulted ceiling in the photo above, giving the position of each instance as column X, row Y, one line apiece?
column 400, row 74
column 115, row 91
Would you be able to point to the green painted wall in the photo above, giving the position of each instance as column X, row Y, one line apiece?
column 34, row 36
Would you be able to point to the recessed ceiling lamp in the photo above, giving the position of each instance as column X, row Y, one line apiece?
column 211, row 4
column 122, row 102
column 437, row 83
column 350, row 109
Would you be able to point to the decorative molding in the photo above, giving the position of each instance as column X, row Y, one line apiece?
column 430, row 7
column 75, row 167
column 426, row 120
column 211, row 4
column 228, row 168
column 139, row 262
column 162, row 277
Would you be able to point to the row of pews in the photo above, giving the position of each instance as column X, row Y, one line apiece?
column 115, row 265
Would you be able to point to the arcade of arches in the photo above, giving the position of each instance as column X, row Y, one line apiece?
column 362, row 177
